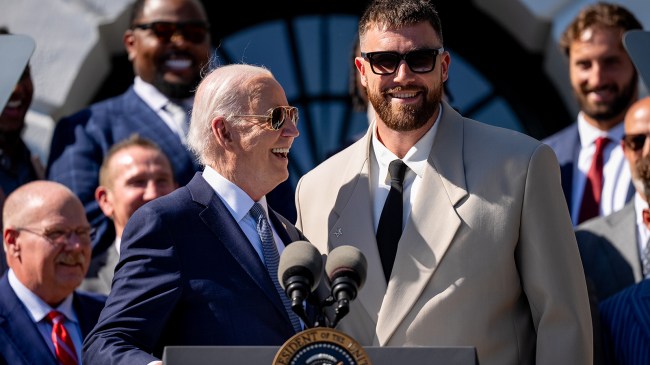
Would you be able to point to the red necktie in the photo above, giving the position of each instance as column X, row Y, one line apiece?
column 594, row 187
column 63, row 346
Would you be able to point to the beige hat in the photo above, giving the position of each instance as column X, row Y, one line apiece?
column 637, row 44
column 15, row 51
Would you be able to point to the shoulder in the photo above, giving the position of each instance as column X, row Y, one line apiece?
column 563, row 136
column 608, row 224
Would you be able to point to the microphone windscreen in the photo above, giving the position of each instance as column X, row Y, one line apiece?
column 300, row 258
column 344, row 260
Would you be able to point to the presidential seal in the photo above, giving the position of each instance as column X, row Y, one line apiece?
column 321, row 346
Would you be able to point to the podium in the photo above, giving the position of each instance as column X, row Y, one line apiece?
column 263, row 355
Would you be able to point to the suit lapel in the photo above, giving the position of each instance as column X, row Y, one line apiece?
column 16, row 323
column 217, row 218
column 430, row 227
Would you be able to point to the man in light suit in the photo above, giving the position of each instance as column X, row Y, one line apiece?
column 605, row 83
column 611, row 247
column 487, row 256
column 47, row 243
column 192, row 269
column 168, row 43
column 135, row 171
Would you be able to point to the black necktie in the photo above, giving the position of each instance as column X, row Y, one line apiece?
column 389, row 229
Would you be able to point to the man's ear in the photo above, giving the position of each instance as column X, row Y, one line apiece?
column 361, row 68
column 129, row 44
column 221, row 131
column 102, row 196
column 10, row 244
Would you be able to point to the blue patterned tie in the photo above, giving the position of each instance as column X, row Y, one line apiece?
column 272, row 259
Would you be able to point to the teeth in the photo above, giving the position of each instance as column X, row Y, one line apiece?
column 280, row 150
column 404, row 95
column 178, row 64
column 14, row 104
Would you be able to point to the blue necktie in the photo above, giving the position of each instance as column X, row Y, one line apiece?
column 272, row 259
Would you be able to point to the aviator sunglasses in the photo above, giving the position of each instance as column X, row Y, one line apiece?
column 276, row 116
column 635, row 142
column 193, row 31
column 419, row 61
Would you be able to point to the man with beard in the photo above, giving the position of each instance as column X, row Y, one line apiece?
column 17, row 164
column 484, row 253
column 47, row 243
column 613, row 248
column 595, row 178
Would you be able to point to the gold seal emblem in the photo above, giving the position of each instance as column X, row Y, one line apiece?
column 321, row 346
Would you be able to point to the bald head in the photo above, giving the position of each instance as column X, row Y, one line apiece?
column 639, row 112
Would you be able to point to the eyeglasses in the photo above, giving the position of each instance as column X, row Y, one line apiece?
column 635, row 142
column 61, row 236
column 419, row 61
column 276, row 116
column 193, row 31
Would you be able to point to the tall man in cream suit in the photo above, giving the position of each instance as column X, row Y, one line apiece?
column 487, row 257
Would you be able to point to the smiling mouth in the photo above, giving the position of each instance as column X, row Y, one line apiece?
column 403, row 95
column 281, row 152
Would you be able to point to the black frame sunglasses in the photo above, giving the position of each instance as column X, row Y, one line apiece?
column 192, row 31
column 276, row 116
column 419, row 61
column 635, row 142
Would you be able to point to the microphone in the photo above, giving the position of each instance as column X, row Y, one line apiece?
column 299, row 273
column 346, row 269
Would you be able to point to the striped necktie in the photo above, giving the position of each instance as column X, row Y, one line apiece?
column 272, row 259
column 63, row 346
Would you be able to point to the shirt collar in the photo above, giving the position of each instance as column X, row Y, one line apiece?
column 153, row 97
column 235, row 199
column 589, row 134
column 36, row 307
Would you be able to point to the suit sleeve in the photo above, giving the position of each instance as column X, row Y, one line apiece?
column 551, row 271
column 146, row 289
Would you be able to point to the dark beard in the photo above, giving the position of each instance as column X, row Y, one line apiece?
column 406, row 118
column 175, row 91
column 618, row 105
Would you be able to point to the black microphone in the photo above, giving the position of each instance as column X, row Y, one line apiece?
column 299, row 272
column 346, row 269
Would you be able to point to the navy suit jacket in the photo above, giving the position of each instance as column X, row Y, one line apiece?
column 21, row 342
column 81, row 141
column 188, row 275
column 625, row 317
column 566, row 144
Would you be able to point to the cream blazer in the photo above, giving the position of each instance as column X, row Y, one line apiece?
column 488, row 257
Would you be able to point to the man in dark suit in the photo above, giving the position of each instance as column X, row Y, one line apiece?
column 193, row 268
column 47, row 243
column 605, row 84
column 168, row 43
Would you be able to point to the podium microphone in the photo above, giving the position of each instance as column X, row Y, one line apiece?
column 299, row 273
column 346, row 269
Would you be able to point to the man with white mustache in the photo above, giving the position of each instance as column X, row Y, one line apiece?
column 47, row 244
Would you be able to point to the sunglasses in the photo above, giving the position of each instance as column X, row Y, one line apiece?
column 276, row 116
column 193, row 31
column 419, row 61
column 635, row 142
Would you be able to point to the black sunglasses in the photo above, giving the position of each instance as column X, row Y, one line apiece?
column 635, row 142
column 276, row 116
column 193, row 31
column 419, row 61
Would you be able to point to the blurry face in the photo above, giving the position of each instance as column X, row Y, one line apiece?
column 404, row 100
column 13, row 115
column 262, row 153
column 51, row 270
column 637, row 121
column 139, row 175
column 602, row 75
column 172, row 66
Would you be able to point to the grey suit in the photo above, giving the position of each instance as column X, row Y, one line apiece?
column 487, row 257
column 609, row 251
column 100, row 274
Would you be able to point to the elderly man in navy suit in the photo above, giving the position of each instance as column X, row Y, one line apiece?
column 197, row 265
column 168, row 43
column 47, row 242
